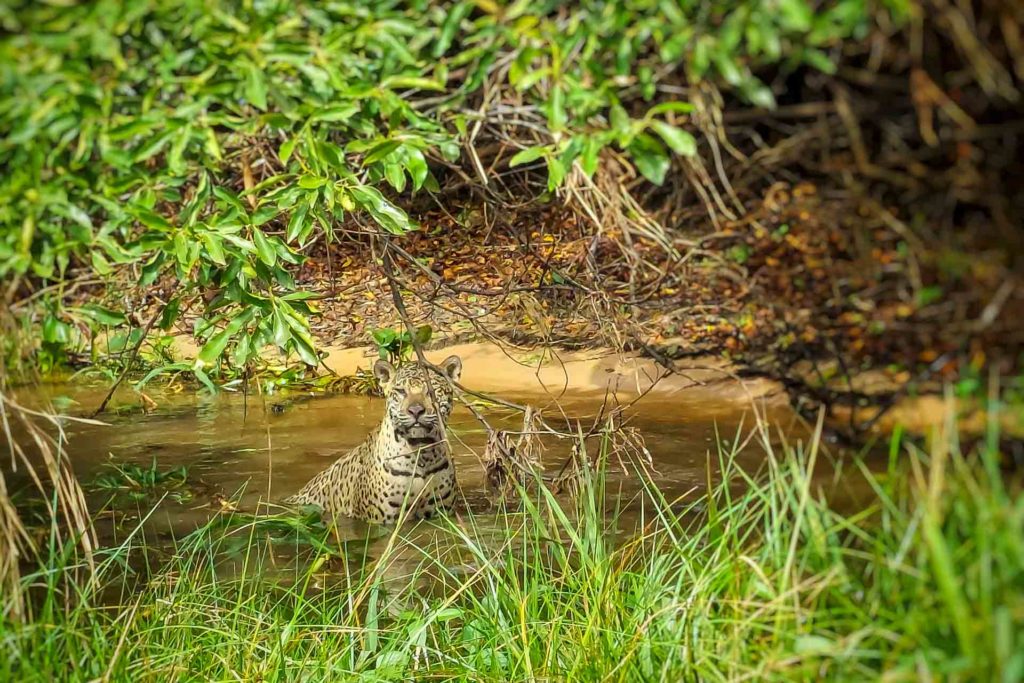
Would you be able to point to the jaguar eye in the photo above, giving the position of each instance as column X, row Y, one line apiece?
column 400, row 392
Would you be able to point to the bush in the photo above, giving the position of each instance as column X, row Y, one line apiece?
column 214, row 143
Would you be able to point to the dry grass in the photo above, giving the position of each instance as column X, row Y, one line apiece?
column 36, row 445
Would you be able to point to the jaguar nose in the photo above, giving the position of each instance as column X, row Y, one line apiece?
column 415, row 410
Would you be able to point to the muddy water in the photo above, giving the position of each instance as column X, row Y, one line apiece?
column 242, row 451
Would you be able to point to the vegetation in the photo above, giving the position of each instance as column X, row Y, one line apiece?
column 395, row 345
column 139, row 478
column 825, row 191
column 135, row 482
column 215, row 145
column 760, row 578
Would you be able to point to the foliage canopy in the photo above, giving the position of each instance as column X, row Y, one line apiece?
column 216, row 142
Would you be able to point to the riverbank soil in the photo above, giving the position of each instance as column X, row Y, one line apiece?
column 824, row 291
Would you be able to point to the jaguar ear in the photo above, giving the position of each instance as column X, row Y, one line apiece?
column 452, row 367
column 383, row 371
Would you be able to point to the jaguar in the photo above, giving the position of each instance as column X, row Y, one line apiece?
column 404, row 467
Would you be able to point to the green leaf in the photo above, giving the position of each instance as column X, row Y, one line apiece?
column 304, row 347
column 285, row 254
column 242, row 354
column 310, row 182
column 333, row 156
column 264, row 249
column 819, row 60
column 947, row 578
column 204, row 379
column 811, row 644
column 160, row 370
column 213, row 349
column 152, row 270
column 589, row 155
column 103, row 316
column 211, row 145
column 556, row 109
column 282, row 333
column 447, row 614
column 240, row 242
column 391, row 664
column 380, row 150
column 150, row 219
column 301, row 340
column 264, row 213
column 255, row 87
column 795, row 15
column 450, row 27
column 417, row 82
column 417, row 166
column 152, row 148
column 79, row 216
column 758, row 94
column 284, row 152
column 679, row 141
column 727, row 67
column 175, row 157
column 645, row 77
column 556, row 173
column 619, row 121
column 309, row 224
column 665, row 107
column 132, row 128
column 100, row 263
column 650, row 158
column 170, row 313
column 337, row 113
column 571, row 151
column 297, row 222
column 214, row 248
column 531, row 78
column 395, row 175
column 55, row 331
column 300, row 296
column 384, row 337
column 229, row 197
column 386, row 214
column 527, row 155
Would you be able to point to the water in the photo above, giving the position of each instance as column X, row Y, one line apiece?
column 243, row 451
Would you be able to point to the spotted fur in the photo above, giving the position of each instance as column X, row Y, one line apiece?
column 405, row 464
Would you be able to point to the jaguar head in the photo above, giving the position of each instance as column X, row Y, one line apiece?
column 419, row 398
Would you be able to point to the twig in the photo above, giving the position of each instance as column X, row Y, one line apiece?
column 247, row 181
column 131, row 361
column 403, row 313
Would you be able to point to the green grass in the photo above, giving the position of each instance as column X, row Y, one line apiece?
column 759, row 580
column 129, row 483
column 134, row 477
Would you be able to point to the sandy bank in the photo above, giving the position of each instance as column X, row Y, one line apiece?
column 490, row 368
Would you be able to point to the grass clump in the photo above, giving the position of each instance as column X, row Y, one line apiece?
column 758, row 579
column 138, row 479
column 129, row 484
